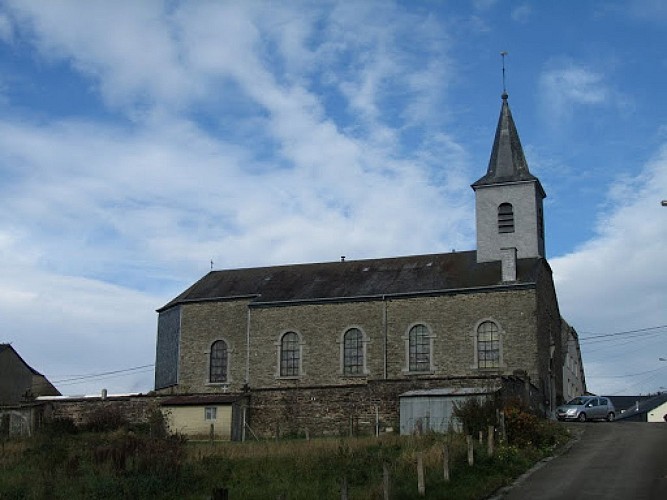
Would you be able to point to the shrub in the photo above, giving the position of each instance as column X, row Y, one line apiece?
column 475, row 414
column 104, row 419
column 62, row 426
column 526, row 429
column 158, row 424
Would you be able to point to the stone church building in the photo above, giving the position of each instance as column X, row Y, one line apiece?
column 333, row 347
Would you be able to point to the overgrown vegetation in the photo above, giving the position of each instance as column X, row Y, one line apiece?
column 145, row 462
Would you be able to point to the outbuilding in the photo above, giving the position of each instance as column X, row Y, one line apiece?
column 220, row 417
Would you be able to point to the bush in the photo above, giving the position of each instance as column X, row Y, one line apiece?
column 475, row 414
column 105, row 419
column 526, row 429
column 63, row 426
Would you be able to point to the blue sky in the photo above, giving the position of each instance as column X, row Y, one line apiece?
column 141, row 140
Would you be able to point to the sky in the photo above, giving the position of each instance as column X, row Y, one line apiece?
column 144, row 143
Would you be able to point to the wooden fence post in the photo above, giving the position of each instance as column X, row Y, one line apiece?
column 445, row 462
column 471, row 459
column 421, row 488
column 385, row 480
column 343, row 488
column 490, row 438
column 503, row 431
column 212, row 433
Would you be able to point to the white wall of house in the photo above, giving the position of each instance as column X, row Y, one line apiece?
column 196, row 420
column 658, row 414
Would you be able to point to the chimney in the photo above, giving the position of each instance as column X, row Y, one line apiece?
column 508, row 264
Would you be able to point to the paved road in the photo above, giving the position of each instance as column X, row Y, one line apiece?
column 619, row 460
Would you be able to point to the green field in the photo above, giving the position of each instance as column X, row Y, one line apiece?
column 129, row 464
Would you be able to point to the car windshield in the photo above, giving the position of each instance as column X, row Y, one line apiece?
column 577, row 401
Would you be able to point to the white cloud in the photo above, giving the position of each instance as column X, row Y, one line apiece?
column 566, row 86
column 522, row 13
column 6, row 30
column 616, row 281
column 98, row 218
column 67, row 325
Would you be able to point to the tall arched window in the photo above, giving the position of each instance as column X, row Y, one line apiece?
column 353, row 352
column 218, row 362
column 419, row 349
column 488, row 345
column 505, row 218
column 289, row 355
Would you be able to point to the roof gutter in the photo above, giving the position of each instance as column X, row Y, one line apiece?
column 207, row 299
column 358, row 298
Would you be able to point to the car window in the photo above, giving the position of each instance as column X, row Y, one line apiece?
column 604, row 402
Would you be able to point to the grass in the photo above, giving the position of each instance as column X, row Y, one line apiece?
column 121, row 464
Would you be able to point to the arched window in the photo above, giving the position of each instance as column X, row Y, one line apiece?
column 419, row 349
column 353, row 352
column 505, row 218
column 488, row 345
column 290, row 354
column 218, row 362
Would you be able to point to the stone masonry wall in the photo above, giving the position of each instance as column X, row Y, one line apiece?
column 549, row 334
column 201, row 325
column 346, row 410
column 136, row 409
column 450, row 319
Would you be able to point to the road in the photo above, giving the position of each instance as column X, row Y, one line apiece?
column 618, row 460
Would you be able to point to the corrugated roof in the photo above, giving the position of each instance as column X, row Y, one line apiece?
column 354, row 279
column 446, row 391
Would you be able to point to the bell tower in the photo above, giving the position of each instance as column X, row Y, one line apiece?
column 508, row 200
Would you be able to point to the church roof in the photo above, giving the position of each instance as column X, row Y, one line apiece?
column 507, row 163
column 356, row 279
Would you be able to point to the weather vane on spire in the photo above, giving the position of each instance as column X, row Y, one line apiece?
column 503, row 54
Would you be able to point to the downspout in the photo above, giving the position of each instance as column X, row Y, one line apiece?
column 384, row 328
column 247, row 351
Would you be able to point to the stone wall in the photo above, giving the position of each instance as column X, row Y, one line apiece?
column 549, row 339
column 451, row 321
column 353, row 409
column 135, row 409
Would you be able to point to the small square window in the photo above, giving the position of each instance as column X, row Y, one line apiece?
column 210, row 413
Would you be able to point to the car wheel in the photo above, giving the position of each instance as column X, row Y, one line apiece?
column 610, row 416
column 582, row 417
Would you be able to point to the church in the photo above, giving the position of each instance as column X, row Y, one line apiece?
column 379, row 344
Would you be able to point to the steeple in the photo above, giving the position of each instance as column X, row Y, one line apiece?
column 508, row 201
column 507, row 162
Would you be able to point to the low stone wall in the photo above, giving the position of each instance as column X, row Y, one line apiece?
column 135, row 409
column 357, row 409
column 312, row 411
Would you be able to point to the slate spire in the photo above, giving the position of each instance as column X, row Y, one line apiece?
column 508, row 163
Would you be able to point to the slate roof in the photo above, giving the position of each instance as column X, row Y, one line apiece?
column 643, row 407
column 9, row 347
column 355, row 279
column 507, row 163
column 625, row 402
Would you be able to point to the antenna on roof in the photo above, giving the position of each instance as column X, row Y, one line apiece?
column 211, row 264
column 503, row 54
